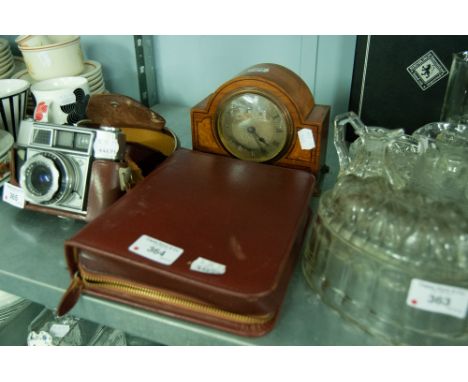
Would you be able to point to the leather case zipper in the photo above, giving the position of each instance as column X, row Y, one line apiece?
column 84, row 280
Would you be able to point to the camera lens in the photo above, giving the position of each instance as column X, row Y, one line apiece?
column 41, row 179
column 47, row 178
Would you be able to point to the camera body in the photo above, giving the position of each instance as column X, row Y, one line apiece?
column 70, row 171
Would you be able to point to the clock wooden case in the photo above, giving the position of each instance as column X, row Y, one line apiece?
column 288, row 99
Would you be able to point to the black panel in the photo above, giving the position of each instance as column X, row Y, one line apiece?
column 391, row 97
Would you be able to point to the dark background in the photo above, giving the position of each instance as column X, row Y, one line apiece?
column 391, row 97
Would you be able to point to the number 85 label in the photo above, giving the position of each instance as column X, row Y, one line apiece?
column 438, row 298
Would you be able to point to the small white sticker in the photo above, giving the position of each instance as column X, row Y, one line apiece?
column 106, row 146
column 438, row 298
column 207, row 266
column 306, row 139
column 59, row 330
column 258, row 69
column 156, row 250
column 13, row 195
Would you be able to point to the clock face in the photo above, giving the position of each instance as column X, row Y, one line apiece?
column 253, row 127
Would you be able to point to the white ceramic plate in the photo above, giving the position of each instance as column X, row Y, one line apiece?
column 96, row 83
column 99, row 90
column 24, row 75
column 4, row 44
column 9, row 73
column 91, row 69
column 93, row 80
column 6, row 64
column 5, row 54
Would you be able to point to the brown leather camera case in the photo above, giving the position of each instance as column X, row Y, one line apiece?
column 249, row 217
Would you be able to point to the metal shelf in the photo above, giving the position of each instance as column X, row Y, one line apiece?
column 32, row 265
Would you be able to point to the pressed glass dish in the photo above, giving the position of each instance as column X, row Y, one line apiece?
column 382, row 232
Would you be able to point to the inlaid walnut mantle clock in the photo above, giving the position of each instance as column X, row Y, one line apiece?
column 265, row 114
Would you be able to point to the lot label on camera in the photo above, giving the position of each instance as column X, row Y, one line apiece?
column 13, row 195
column 107, row 145
column 156, row 250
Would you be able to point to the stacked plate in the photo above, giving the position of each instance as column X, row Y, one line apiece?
column 10, row 307
column 92, row 72
column 7, row 63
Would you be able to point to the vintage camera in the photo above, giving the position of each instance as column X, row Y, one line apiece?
column 70, row 171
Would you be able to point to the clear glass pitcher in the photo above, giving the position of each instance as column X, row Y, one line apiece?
column 390, row 236
column 442, row 169
column 365, row 156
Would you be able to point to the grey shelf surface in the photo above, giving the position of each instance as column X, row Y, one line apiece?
column 32, row 265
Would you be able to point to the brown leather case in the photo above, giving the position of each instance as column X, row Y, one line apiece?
column 247, row 216
column 118, row 110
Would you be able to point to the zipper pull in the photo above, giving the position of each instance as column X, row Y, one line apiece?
column 71, row 296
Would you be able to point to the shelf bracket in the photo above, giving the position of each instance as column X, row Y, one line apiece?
column 146, row 70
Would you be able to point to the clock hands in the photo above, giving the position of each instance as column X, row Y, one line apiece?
column 253, row 131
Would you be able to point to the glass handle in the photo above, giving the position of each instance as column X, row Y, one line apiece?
column 339, row 137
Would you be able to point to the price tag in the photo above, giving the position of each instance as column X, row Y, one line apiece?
column 438, row 298
column 306, row 139
column 207, row 266
column 258, row 69
column 13, row 195
column 106, row 146
column 59, row 330
column 156, row 250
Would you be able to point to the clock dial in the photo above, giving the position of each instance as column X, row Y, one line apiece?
column 253, row 127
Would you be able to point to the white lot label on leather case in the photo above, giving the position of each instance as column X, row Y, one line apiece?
column 207, row 266
column 306, row 139
column 13, row 195
column 438, row 298
column 156, row 250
